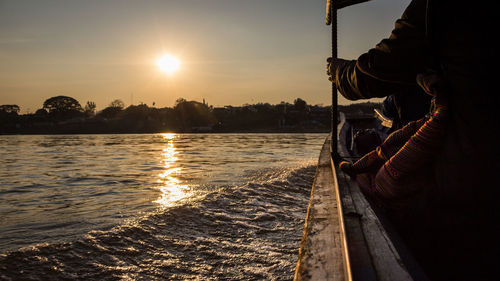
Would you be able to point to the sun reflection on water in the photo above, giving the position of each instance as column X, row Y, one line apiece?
column 170, row 186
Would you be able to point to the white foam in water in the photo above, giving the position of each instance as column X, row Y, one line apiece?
column 240, row 219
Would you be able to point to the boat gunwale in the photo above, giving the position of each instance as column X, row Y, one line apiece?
column 383, row 255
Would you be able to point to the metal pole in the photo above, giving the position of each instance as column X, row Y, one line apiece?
column 334, row 121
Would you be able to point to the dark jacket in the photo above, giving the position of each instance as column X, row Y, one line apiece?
column 410, row 105
column 457, row 224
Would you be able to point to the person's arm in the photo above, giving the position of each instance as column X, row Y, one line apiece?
column 390, row 67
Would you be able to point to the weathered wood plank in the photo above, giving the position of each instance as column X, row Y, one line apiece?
column 320, row 253
column 385, row 258
column 360, row 261
column 343, row 238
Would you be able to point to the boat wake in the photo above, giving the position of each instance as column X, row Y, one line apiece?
column 246, row 232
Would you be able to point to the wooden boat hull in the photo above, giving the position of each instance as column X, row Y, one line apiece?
column 344, row 237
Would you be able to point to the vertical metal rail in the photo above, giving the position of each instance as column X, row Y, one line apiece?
column 331, row 18
column 334, row 117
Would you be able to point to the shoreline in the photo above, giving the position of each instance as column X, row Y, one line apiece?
column 170, row 132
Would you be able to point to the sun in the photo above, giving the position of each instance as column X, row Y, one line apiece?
column 168, row 64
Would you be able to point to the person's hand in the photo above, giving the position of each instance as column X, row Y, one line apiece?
column 330, row 70
column 332, row 66
column 435, row 85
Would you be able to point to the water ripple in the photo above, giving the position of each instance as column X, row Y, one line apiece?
column 153, row 206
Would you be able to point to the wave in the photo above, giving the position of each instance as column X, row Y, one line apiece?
column 246, row 232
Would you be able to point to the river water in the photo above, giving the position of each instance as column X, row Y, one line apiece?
column 154, row 206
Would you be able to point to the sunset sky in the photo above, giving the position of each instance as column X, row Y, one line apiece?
column 231, row 52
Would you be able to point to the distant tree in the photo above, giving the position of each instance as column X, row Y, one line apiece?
column 8, row 114
column 112, row 111
column 62, row 104
column 193, row 113
column 283, row 107
column 9, row 108
column 179, row 101
column 109, row 112
column 41, row 112
column 263, row 107
column 300, row 104
column 41, row 115
column 63, row 107
column 137, row 112
column 90, row 108
column 117, row 104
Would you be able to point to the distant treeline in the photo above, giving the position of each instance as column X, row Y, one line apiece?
column 65, row 115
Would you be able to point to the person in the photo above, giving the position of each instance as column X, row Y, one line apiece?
column 452, row 225
column 412, row 105
column 366, row 140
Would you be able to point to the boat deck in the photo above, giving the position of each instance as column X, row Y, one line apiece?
column 344, row 238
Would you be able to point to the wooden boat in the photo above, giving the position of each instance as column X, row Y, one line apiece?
column 345, row 237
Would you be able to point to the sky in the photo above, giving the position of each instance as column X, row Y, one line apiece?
column 232, row 52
